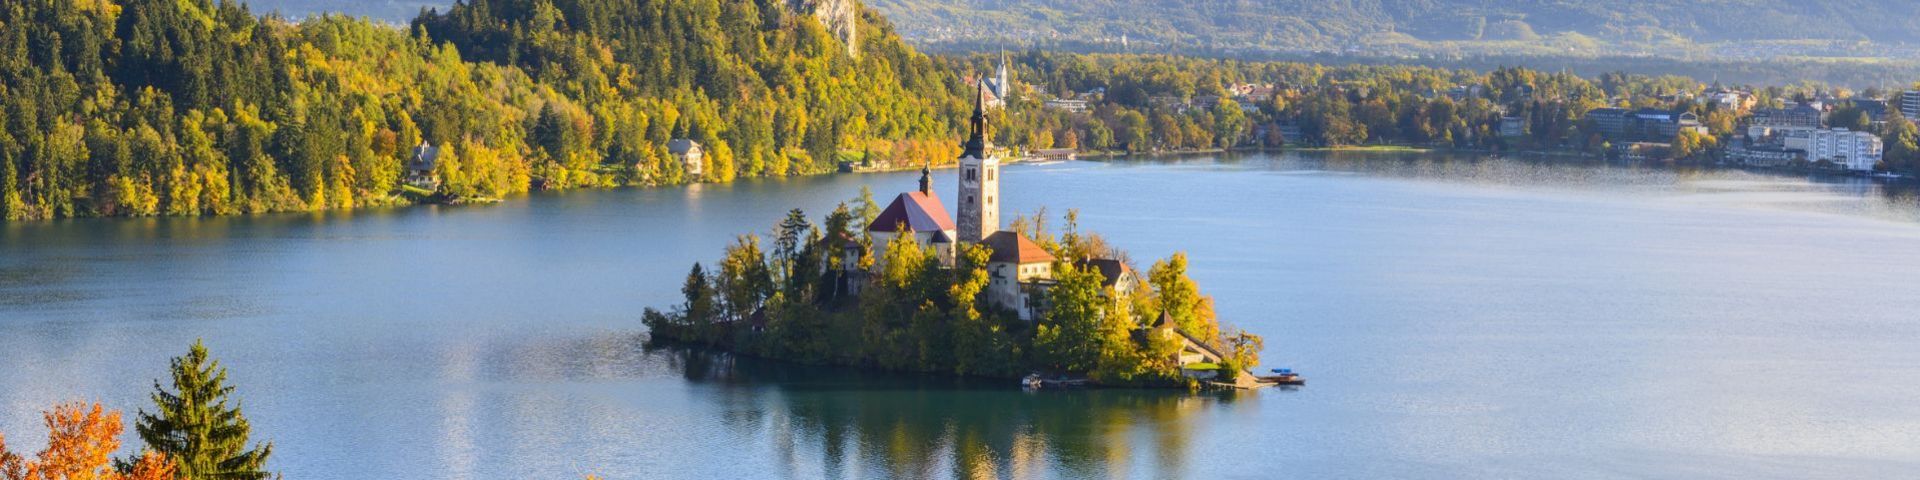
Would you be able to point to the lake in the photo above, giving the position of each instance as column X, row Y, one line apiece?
column 1456, row 317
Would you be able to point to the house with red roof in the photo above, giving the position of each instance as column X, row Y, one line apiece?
column 1017, row 270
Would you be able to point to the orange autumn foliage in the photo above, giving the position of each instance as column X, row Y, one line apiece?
column 80, row 443
column 151, row 466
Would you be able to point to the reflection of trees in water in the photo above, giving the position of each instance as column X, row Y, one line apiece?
column 915, row 426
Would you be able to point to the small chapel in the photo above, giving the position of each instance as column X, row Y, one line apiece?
column 1019, row 268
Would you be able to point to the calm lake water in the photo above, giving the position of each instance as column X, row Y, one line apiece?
column 1456, row 317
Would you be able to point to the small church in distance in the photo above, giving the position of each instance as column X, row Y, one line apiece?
column 1018, row 267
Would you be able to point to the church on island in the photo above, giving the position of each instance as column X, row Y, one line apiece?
column 1018, row 266
column 1075, row 326
column 1020, row 271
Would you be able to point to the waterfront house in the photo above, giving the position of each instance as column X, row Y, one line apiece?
column 1057, row 153
column 1762, row 155
column 1643, row 125
column 1842, row 148
column 421, row 167
column 691, row 156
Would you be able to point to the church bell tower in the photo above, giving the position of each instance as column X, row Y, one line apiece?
column 979, row 176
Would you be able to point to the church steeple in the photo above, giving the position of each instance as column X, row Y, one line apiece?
column 977, row 143
column 926, row 179
column 979, row 177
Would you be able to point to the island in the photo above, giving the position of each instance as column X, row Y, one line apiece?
column 916, row 289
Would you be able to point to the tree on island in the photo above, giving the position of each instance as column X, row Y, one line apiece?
column 1179, row 296
column 196, row 428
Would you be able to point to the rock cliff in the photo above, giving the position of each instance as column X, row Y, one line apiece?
column 842, row 17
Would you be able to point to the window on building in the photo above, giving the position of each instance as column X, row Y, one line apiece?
column 990, row 173
column 971, row 175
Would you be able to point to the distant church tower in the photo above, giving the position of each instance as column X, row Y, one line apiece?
column 979, row 179
column 999, row 86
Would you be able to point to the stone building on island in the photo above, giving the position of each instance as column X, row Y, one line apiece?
column 918, row 213
column 1020, row 271
column 1019, row 267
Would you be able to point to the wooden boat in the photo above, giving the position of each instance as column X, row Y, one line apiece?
column 1283, row 376
column 1036, row 381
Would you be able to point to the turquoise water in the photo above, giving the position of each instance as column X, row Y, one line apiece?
column 1456, row 317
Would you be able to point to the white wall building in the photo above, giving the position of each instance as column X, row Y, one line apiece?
column 1858, row 151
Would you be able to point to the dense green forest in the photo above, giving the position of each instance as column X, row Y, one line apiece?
column 190, row 107
column 165, row 107
column 786, row 300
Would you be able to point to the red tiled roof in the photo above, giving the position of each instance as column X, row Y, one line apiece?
column 1015, row 248
column 920, row 212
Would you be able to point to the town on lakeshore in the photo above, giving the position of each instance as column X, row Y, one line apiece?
column 1071, row 310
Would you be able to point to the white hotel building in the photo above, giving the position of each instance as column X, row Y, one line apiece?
column 1858, row 151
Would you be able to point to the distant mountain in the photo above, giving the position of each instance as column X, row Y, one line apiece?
column 1619, row 26
column 1747, row 29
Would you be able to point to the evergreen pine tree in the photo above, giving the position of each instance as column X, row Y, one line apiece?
column 196, row 427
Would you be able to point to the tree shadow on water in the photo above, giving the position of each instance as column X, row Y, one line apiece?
column 844, row 422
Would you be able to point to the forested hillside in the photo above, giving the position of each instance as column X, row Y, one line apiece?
column 186, row 107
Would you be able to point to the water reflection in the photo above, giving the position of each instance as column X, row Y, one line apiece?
column 882, row 425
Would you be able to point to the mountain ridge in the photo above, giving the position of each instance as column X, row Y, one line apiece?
column 1324, row 24
column 1749, row 29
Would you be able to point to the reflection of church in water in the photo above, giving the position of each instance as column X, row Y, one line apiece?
column 1018, row 267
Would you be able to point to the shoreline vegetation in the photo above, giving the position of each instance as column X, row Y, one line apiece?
column 131, row 108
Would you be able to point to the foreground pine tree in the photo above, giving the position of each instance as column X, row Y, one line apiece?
column 196, row 428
